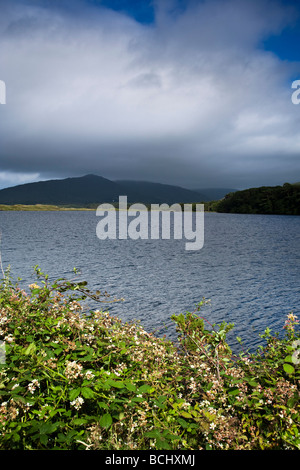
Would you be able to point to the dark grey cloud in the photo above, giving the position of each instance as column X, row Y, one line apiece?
column 190, row 100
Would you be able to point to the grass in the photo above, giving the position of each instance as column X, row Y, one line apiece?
column 78, row 379
column 208, row 207
column 38, row 207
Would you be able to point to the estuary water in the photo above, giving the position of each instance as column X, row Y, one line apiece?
column 249, row 267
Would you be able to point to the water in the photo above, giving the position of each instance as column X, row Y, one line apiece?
column 249, row 267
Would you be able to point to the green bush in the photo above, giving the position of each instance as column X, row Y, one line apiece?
column 75, row 379
column 263, row 200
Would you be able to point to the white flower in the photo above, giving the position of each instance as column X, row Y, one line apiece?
column 9, row 338
column 73, row 370
column 186, row 405
column 77, row 403
column 33, row 385
column 89, row 375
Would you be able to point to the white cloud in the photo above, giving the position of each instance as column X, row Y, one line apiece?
column 189, row 100
column 8, row 178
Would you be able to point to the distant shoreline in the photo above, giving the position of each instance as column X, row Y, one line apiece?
column 44, row 207
column 41, row 207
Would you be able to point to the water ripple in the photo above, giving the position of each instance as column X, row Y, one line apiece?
column 249, row 267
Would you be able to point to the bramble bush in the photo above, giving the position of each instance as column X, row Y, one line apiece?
column 75, row 379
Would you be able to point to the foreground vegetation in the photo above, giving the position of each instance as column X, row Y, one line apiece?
column 75, row 379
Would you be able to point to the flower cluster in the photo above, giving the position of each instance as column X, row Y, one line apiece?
column 100, row 383
column 33, row 386
column 77, row 403
column 291, row 322
column 89, row 375
column 8, row 412
column 73, row 370
column 34, row 286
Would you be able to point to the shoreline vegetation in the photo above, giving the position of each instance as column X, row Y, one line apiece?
column 40, row 207
column 77, row 379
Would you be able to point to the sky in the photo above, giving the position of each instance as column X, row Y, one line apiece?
column 195, row 93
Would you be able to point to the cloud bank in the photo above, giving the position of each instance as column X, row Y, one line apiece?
column 191, row 99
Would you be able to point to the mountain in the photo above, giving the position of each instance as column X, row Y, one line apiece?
column 160, row 193
column 214, row 194
column 263, row 200
column 78, row 191
column 90, row 190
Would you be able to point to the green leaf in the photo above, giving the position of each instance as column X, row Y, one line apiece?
column 106, row 421
column 183, row 423
column 160, row 402
column 291, row 402
column 30, row 349
column 47, row 428
column 288, row 368
column 80, row 421
column 155, row 434
column 74, row 393
column 252, row 383
column 209, row 386
column 162, row 444
column 54, row 412
column 102, row 404
column 35, row 291
column 44, row 439
column 185, row 414
column 116, row 384
column 144, row 388
column 131, row 387
column 87, row 392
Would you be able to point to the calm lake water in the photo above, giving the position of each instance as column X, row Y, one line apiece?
column 249, row 267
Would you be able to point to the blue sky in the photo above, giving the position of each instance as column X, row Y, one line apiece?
column 286, row 44
column 141, row 11
column 189, row 92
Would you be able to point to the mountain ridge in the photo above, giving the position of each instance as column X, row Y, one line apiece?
column 95, row 189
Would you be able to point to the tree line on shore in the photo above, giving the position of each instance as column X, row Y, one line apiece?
column 278, row 200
